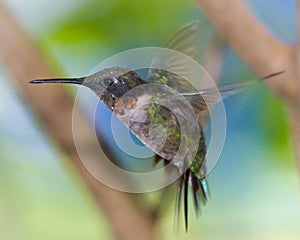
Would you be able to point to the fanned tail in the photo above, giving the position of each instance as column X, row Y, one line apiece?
column 200, row 194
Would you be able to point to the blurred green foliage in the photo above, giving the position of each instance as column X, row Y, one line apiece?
column 99, row 29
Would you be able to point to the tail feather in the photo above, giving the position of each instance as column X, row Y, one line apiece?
column 185, row 195
column 204, row 191
column 195, row 187
column 178, row 202
column 200, row 194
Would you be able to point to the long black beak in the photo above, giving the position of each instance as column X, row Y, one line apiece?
column 59, row 80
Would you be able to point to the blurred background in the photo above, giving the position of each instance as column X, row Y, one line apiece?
column 254, row 186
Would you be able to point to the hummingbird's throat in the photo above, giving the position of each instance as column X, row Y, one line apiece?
column 109, row 100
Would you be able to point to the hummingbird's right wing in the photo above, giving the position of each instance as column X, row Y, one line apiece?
column 202, row 100
column 210, row 96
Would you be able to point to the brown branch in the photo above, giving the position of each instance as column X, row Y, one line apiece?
column 263, row 53
column 54, row 108
column 294, row 104
column 253, row 43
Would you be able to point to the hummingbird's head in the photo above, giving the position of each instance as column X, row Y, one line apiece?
column 108, row 84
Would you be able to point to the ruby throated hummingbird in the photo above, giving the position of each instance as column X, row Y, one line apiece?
column 112, row 84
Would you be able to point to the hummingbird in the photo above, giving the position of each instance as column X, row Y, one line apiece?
column 114, row 86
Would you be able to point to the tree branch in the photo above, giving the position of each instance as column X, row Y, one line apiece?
column 294, row 104
column 263, row 53
column 54, row 108
column 253, row 43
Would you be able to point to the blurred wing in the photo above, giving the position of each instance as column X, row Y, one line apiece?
column 206, row 98
column 200, row 100
column 193, row 42
column 190, row 45
column 194, row 39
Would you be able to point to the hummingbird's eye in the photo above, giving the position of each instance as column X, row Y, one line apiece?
column 108, row 82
